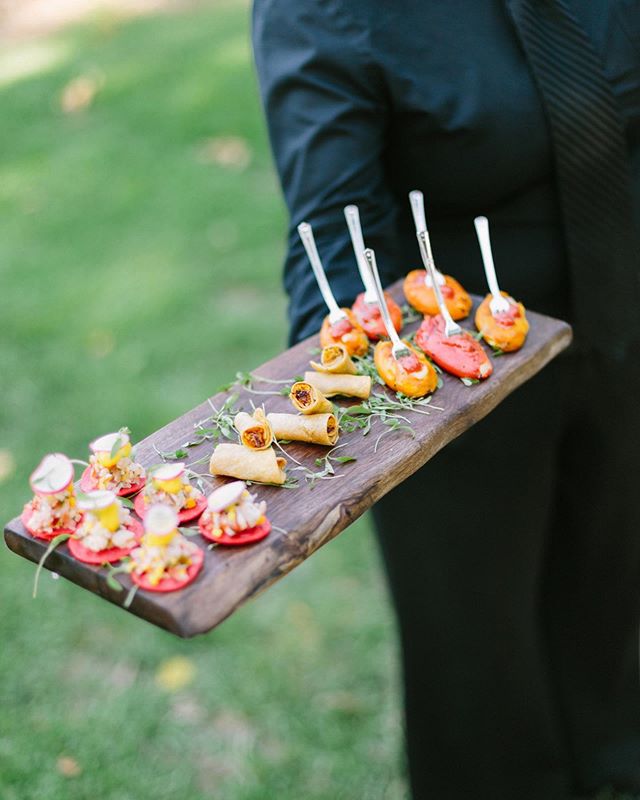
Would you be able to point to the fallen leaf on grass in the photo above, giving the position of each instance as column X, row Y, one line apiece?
column 174, row 673
column 7, row 465
column 79, row 93
column 68, row 767
column 231, row 152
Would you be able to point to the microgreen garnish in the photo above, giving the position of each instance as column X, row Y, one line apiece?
column 290, row 483
column 112, row 571
column 119, row 441
column 246, row 381
column 365, row 366
column 469, row 381
column 384, row 408
column 130, row 595
column 59, row 539
column 326, row 464
column 497, row 351
column 409, row 314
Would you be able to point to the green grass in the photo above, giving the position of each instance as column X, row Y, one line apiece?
column 135, row 280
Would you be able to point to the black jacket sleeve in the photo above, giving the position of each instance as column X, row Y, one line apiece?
column 326, row 109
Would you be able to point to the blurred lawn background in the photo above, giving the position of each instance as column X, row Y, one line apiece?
column 141, row 242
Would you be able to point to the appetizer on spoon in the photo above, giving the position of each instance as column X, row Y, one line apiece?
column 443, row 340
column 418, row 285
column 340, row 326
column 366, row 308
column 499, row 318
column 403, row 368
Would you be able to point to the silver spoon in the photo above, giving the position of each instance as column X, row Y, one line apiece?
column 352, row 215
column 451, row 328
column 416, row 198
column 498, row 304
column 336, row 314
column 399, row 349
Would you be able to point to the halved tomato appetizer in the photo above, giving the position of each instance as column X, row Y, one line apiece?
column 506, row 331
column 348, row 332
column 460, row 355
column 423, row 298
column 412, row 374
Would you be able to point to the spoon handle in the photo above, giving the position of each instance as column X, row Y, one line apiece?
column 416, row 198
column 451, row 327
column 352, row 215
column 482, row 231
column 306, row 234
column 370, row 260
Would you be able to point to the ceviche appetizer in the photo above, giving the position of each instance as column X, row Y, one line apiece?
column 411, row 374
column 107, row 532
column 460, row 354
column 165, row 560
column 233, row 516
column 335, row 358
column 53, row 510
column 237, row 461
column 169, row 485
column 506, row 330
column 346, row 331
column 419, row 293
column 370, row 319
column 112, row 467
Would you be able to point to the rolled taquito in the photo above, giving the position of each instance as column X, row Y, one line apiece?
column 306, row 399
column 255, row 432
column 335, row 358
column 313, row 428
column 240, row 462
column 347, row 385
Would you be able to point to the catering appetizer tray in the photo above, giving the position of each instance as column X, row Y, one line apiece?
column 319, row 508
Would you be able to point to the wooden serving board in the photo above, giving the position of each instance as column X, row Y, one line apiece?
column 306, row 517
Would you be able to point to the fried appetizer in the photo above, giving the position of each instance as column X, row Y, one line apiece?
column 240, row 462
column 335, row 358
column 254, row 429
column 313, row 428
column 307, row 399
column 331, row 384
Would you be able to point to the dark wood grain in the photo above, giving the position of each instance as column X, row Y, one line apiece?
column 310, row 516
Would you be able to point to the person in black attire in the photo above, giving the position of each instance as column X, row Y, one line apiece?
column 518, row 603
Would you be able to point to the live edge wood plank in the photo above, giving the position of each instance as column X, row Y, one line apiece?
column 310, row 516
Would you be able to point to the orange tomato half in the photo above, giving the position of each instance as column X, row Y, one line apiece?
column 348, row 332
column 506, row 331
column 412, row 375
column 423, row 298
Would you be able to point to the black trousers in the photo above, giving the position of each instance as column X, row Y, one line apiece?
column 514, row 563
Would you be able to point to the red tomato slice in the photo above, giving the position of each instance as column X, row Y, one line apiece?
column 370, row 319
column 246, row 537
column 171, row 584
column 461, row 355
column 88, row 483
column 47, row 537
column 108, row 556
column 507, row 318
column 185, row 515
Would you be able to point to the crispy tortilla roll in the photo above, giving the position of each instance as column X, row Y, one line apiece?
column 412, row 374
column 240, row 462
column 314, row 428
column 308, row 400
column 255, row 432
column 335, row 358
column 506, row 331
column 347, row 332
column 423, row 298
column 347, row 385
